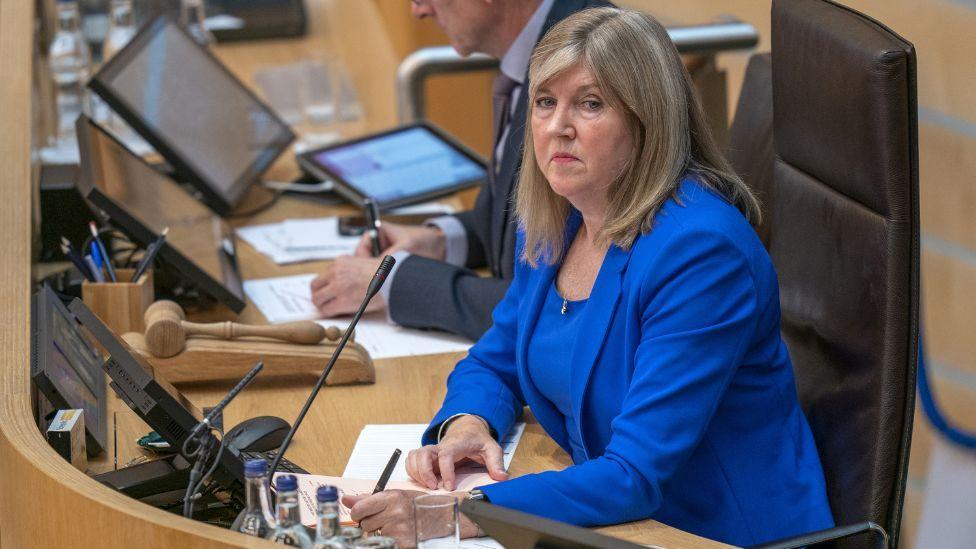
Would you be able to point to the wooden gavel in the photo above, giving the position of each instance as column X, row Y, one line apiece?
column 167, row 330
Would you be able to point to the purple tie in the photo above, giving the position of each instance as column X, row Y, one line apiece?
column 501, row 91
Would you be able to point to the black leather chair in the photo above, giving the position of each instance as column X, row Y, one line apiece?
column 751, row 150
column 844, row 238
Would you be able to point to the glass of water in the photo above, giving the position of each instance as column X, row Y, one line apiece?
column 436, row 521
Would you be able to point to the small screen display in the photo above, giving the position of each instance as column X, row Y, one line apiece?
column 224, row 134
column 411, row 162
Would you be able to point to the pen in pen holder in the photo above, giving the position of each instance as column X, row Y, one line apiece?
column 120, row 305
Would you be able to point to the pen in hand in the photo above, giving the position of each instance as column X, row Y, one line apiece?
column 372, row 214
column 385, row 477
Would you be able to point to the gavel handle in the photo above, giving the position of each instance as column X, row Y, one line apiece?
column 305, row 332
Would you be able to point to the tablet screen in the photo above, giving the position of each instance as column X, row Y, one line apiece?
column 396, row 166
column 142, row 202
column 212, row 129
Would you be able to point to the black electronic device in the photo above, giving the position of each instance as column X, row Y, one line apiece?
column 258, row 434
column 258, row 19
column 65, row 368
column 518, row 530
column 156, row 402
column 142, row 202
column 217, row 135
column 404, row 165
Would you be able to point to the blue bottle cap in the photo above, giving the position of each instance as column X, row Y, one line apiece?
column 286, row 483
column 326, row 493
column 255, row 468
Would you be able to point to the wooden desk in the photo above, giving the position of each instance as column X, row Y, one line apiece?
column 46, row 502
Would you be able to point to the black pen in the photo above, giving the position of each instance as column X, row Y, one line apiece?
column 151, row 252
column 69, row 251
column 385, row 477
column 372, row 213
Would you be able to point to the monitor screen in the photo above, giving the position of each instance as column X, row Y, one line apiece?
column 400, row 166
column 66, row 368
column 217, row 134
column 142, row 202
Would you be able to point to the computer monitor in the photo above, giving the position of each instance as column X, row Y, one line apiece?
column 65, row 368
column 518, row 530
column 153, row 399
column 140, row 201
column 217, row 135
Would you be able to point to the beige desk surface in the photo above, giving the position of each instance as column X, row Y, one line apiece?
column 45, row 502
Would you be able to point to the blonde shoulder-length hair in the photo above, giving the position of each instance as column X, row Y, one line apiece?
column 638, row 69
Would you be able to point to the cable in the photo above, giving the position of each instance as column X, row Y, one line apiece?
column 935, row 415
column 200, row 452
column 258, row 209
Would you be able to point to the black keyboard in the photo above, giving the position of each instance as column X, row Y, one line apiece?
column 284, row 466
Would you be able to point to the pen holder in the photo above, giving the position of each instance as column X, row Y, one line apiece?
column 120, row 305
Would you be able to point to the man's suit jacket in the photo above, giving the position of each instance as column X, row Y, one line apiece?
column 681, row 387
column 434, row 294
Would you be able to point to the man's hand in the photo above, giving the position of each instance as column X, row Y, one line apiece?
column 424, row 241
column 466, row 438
column 342, row 286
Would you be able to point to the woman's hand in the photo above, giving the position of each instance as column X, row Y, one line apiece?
column 467, row 437
column 423, row 241
column 391, row 512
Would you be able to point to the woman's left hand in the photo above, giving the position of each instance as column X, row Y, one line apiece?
column 391, row 512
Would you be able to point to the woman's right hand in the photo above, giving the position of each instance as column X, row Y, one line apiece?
column 467, row 437
column 425, row 241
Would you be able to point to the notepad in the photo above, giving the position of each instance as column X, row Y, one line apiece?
column 369, row 457
column 289, row 298
column 377, row 442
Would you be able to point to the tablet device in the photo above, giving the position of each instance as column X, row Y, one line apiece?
column 405, row 165
column 65, row 368
column 217, row 135
column 142, row 202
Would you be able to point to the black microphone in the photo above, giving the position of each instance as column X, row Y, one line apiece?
column 208, row 420
column 374, row 286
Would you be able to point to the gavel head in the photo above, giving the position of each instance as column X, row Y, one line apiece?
column 164, row 333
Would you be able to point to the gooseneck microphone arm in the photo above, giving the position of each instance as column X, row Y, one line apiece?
column 374, row 286
column 216, row 410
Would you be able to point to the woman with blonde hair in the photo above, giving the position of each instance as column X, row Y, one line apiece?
column 642, row 326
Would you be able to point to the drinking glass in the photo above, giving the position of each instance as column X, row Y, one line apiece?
column 436, row 521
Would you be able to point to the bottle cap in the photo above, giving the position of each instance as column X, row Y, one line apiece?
column 255, row 468
column 326, row 493
column 286, row 483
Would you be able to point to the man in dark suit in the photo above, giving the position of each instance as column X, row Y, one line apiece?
column 433, row 285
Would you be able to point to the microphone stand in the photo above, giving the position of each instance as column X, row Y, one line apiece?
column 374, row 287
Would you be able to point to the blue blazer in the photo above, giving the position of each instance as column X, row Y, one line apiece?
column 681, row 385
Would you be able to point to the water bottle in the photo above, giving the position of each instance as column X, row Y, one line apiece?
column 121, row 28
column 258, row 520
column 327, row 520
column 289, row 529
column 192, row 19
column 70, row 61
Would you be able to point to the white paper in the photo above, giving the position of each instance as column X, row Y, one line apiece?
column 376, row 444
column 297, row 240
column 289, row 298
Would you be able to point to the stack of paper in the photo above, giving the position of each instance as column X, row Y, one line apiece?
column 289, row 298
column 295, row 240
